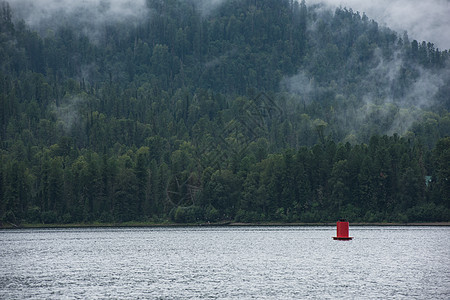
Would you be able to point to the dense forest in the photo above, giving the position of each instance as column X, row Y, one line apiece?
column 254, row 111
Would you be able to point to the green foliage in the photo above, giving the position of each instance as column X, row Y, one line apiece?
column 257, row 111
column 191, row 214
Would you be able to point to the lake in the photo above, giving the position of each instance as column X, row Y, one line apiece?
column 225, row 263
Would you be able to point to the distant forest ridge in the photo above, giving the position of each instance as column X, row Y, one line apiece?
column 177, row 111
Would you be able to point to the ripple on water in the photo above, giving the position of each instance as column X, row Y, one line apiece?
column 230, row 263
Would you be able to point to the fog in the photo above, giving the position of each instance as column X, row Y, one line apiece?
column 67, row 112
column 423, row 20
column 36, row 11
column 207, row 6
column 88, row 15
column 380, row 99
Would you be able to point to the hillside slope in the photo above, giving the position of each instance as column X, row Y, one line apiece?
column 251, row 110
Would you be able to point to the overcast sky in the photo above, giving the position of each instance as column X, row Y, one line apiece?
column 427, row 20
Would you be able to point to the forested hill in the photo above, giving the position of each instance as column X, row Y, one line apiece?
column 267, row 110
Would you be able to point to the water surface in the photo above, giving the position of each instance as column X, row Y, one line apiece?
column 225, row 263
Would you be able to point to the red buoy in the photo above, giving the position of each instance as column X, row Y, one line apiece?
column 342, row 231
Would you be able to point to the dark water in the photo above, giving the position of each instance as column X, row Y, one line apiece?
column 225, row 263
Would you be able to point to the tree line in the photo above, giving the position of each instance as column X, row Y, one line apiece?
column 389, row 179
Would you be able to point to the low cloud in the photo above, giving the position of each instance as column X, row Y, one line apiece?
column 397, row 110
column 87, row 15
column 299, row 84
column 68, row 112
column 420, row 92
column 423, row 20
column 206, row 7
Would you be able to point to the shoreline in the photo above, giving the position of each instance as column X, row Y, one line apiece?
column 218, row 224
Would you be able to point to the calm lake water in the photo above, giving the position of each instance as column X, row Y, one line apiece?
column 225, row 263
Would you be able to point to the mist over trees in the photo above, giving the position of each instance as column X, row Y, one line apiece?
column 425, row 20
column 197, row 111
